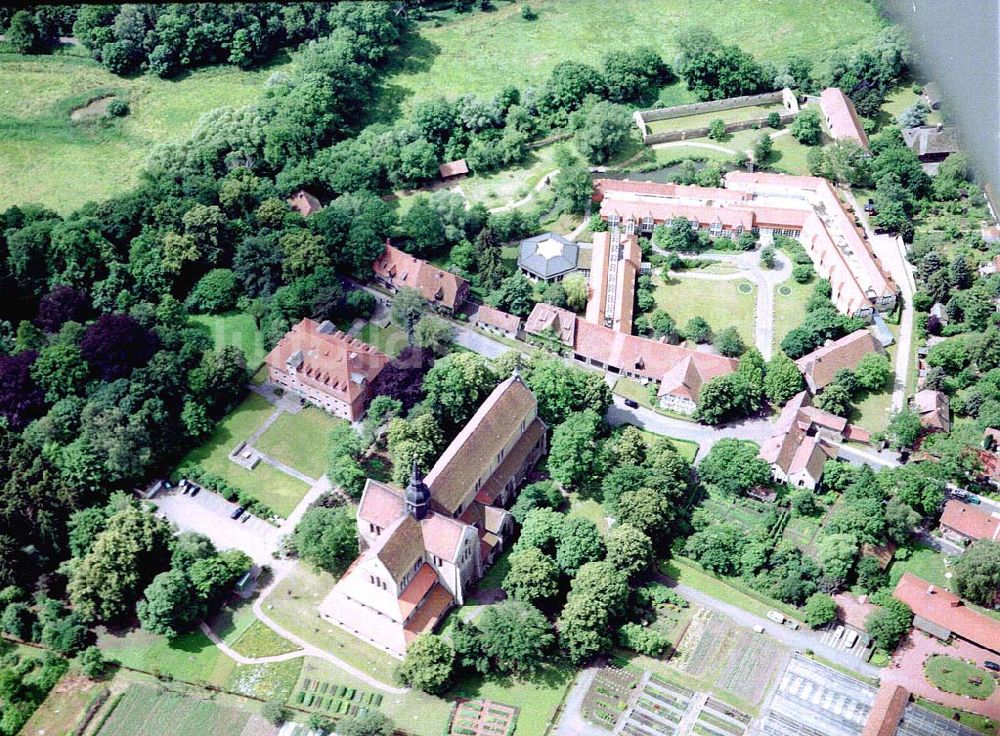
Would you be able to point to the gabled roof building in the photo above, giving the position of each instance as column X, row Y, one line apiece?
column 943, row 614
column 934, row 410
column 803, row 440
column 841, row 117
column 423, row 546
column 327, row 367
column 678, row 372
column 395, row 269
column 821, row 365
column 965, row 523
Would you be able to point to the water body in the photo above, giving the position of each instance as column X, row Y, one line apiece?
column 956, row 43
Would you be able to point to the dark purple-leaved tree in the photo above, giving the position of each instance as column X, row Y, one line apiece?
column 403, row 377
column 116, row 344
column 21, row 400
column 62, row 304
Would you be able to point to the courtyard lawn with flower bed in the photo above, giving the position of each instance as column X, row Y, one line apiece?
column 720, row 303
column 389, row 339
column 957, row 676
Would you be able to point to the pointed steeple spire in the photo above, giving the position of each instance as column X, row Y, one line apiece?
column 418, row 495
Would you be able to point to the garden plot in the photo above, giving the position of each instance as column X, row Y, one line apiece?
column 718, row 719
column 156, row 711
column 660, row 708
column 728, row 656
column 608, row 696
column 336, row 700
column 483, row 718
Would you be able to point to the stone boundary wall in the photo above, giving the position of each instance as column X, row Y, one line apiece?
column 680, row 135
column 641, row 117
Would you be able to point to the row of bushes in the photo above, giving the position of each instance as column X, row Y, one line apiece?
column 231, row 493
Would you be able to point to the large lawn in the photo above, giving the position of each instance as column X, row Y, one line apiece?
column 790, row 300
column 958, row 676
column 924, row 562
column 47, row 158
column 191, row 657
column 720, row 303
column 279, row 491
column 483, row 52
column 235, row 329
column 300, row 440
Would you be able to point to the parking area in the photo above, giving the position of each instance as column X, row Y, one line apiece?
column 209, row 513
column 848, row 639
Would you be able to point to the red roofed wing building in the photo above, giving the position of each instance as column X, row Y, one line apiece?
column 821, row 365
column 841, row 117
column 326, row 367
column 395, row 269
column 943, row 614
column 964, row 522
column 422, row 547
column 887, row 710
column 679, row 372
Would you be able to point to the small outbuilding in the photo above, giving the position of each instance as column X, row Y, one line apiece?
column 304, row 203
column 548, row 257
column 453, row 169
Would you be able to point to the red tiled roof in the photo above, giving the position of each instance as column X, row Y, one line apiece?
column 380, row 504
column 442, row 535
column 970, row 521
column 453, row 168
column 327, row 360
column 822, row 364
column 991, row 464
column 436, row 603
column 545, row 317
column 887, row 710
column 948, row 611
column 933, row 408
column 437, row 285
column 422, row 582
column 497, row 318
column 305, row 203
column 841, row 116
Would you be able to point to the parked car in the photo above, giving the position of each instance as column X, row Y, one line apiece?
column 974, row 500
column 991, row 666
column 758, row 628
column 195, row 490
column 960, row 494
column 237, row 513
column 631, row 403
column 245, row 518
column 776, row 616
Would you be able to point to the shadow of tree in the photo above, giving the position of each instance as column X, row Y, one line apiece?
column 415, row 56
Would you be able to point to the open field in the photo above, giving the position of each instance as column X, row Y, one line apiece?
column 720, row 303
column 65, row 705
column 51, row 160
column 958, row 676
column 190, row 656
column 258, row 640
column 483, row 52
column 235, row 328
column 293, row 605
column 703, row 119
column 278, row 490
column 729, row 657
column 300, row 440
column 270, row 681
column 925, row 562
column 148, row 710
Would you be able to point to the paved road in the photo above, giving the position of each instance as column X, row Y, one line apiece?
column 572, row 722
column 799, row 640
column 477, row 342
column 705, row 436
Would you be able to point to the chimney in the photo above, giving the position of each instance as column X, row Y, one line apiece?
column 940, row 127
column 930, row 590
